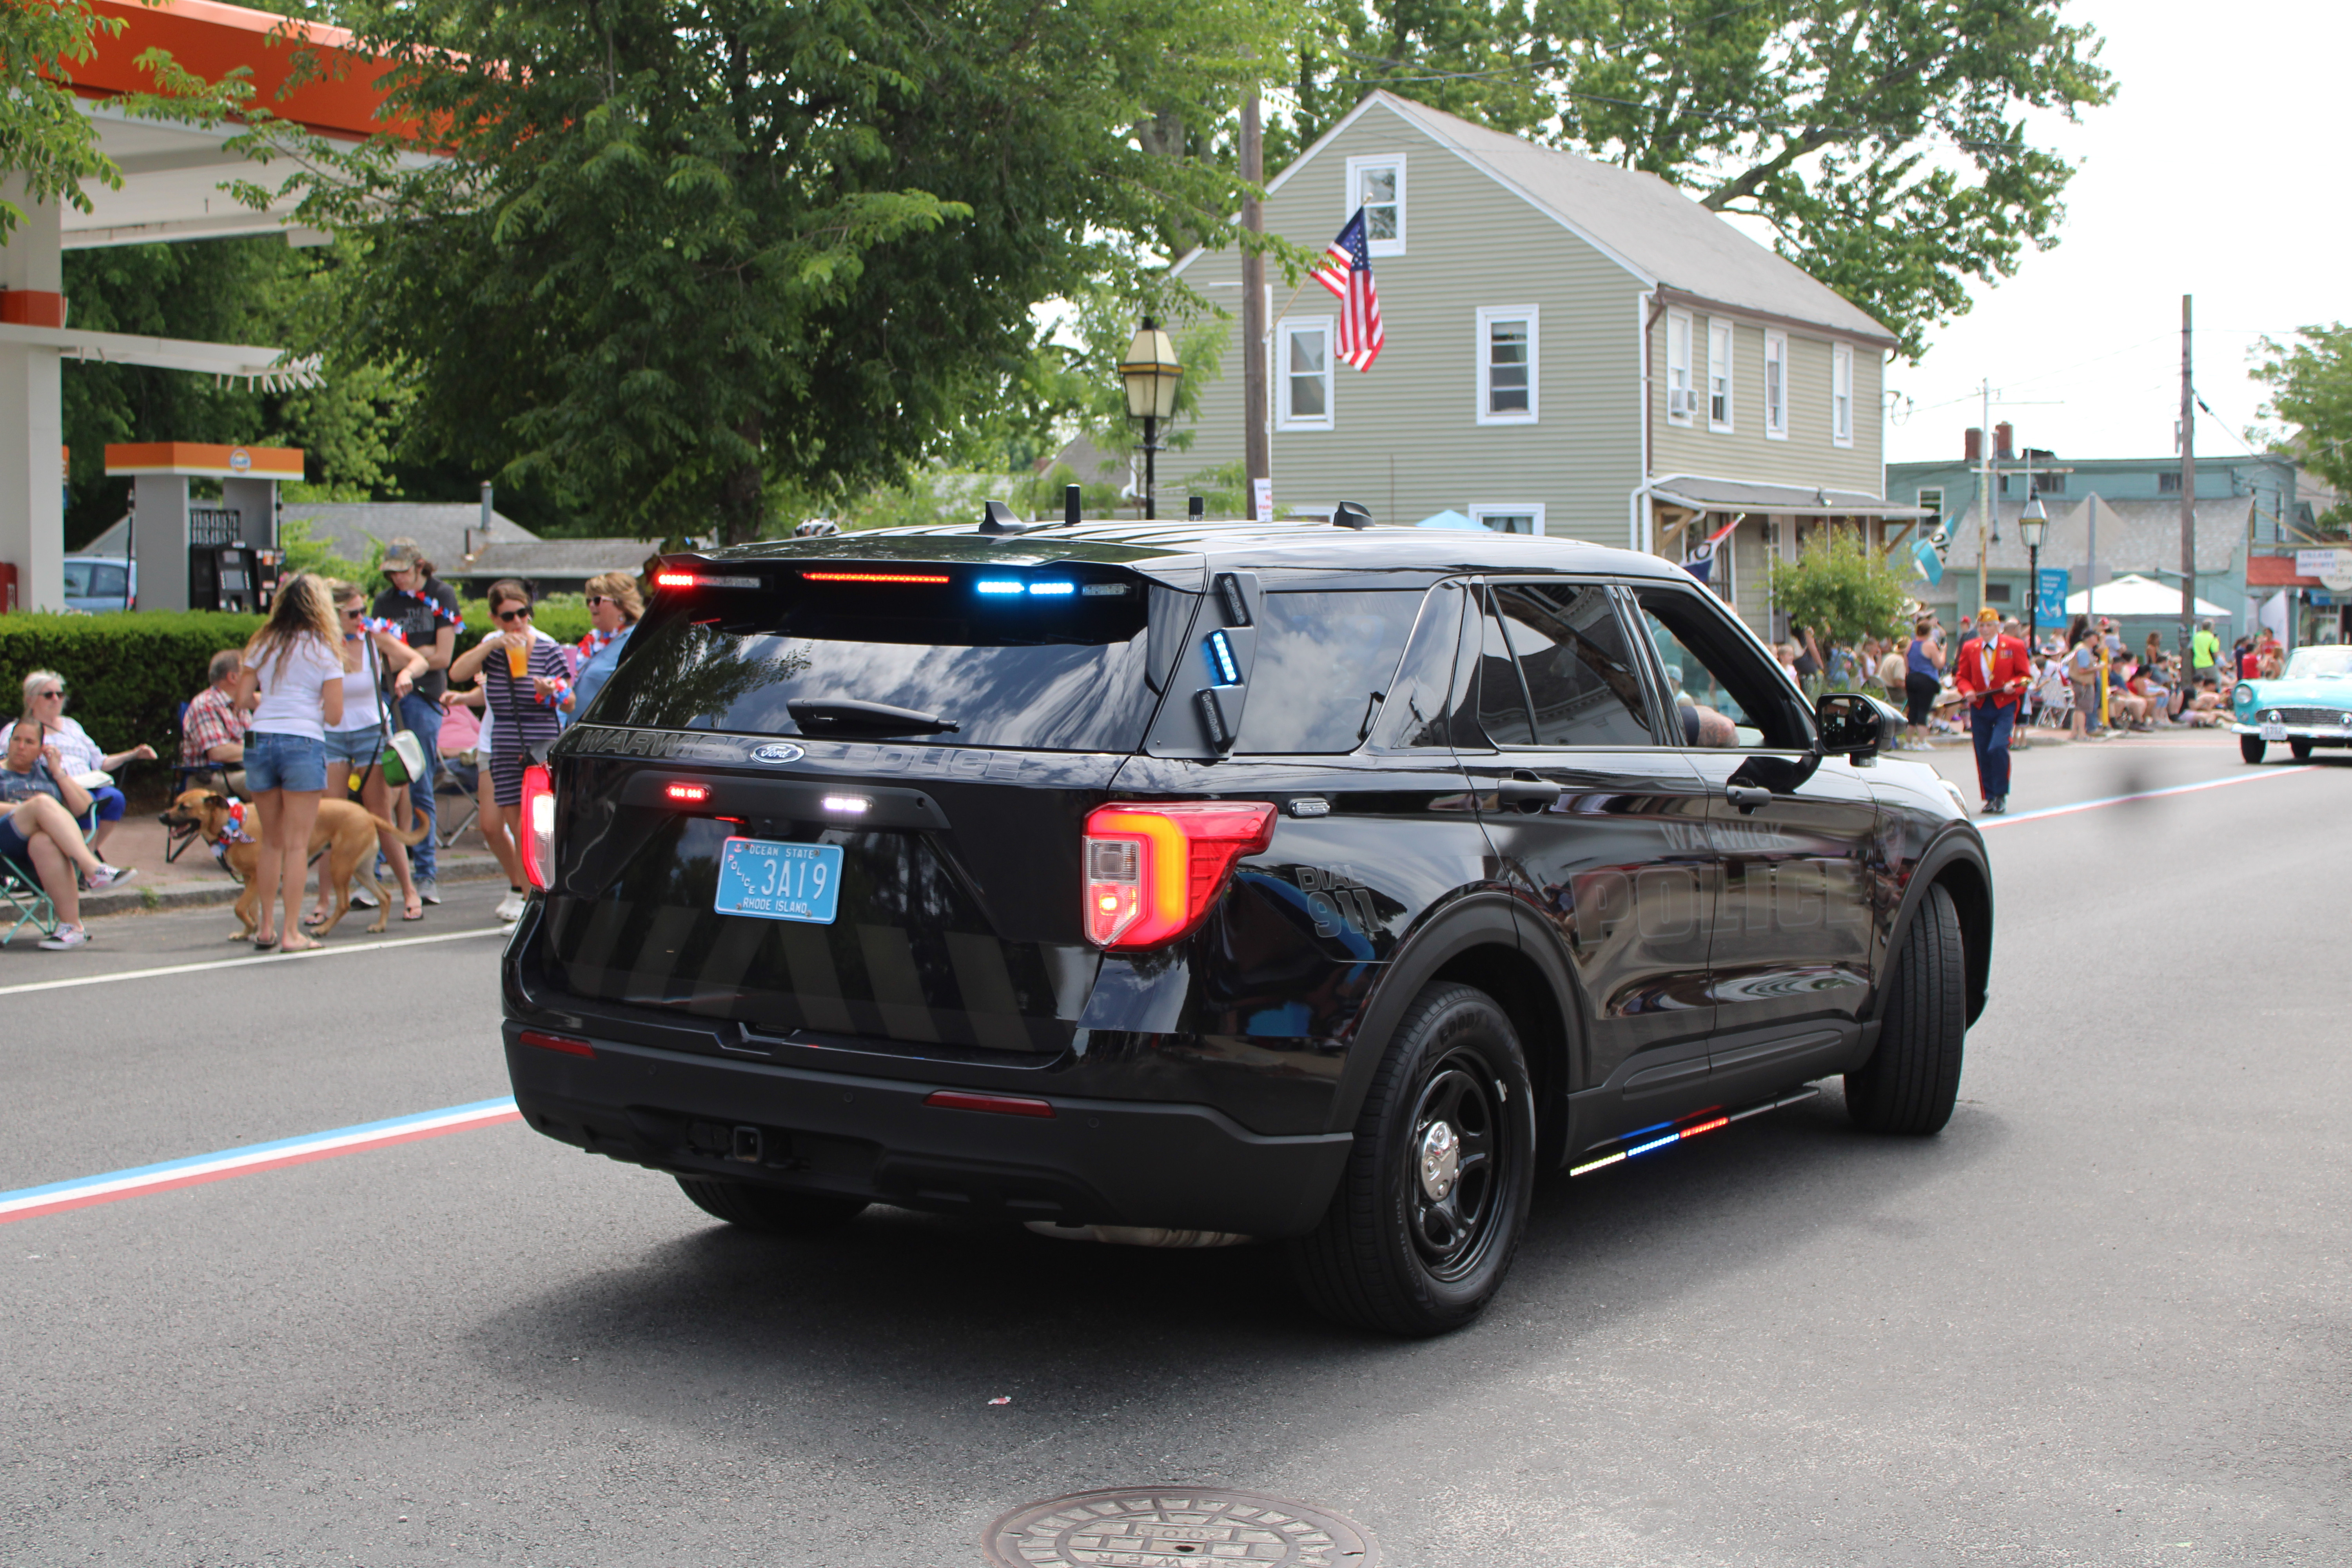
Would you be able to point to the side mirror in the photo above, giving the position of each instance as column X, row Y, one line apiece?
column 1853, row 725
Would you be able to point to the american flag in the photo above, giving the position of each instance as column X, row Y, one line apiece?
column 1348, row 274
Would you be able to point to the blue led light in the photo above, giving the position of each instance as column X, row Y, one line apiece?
column 1657, row 1143
column 997, row 586
column 1221, row 660
column 1050, row 589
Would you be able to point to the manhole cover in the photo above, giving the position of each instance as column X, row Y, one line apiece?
column 1174, row 1527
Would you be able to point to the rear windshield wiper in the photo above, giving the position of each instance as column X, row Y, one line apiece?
column 847, row 715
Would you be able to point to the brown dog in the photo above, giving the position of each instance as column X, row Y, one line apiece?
column 345, row 829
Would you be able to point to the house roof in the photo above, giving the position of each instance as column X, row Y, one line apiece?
column 1793, row 500
column 441, row 528
column 2134, row 535
column 553, row 560
column 2276, row 572
column 1646, row 225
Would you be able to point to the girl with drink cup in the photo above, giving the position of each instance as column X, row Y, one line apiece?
column 524, row 681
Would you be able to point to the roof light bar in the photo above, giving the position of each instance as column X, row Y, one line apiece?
column 702, row 580
column 931, row 577
column 997, row 586
column 1052, row 590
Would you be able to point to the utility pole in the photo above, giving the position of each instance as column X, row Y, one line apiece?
column 1258, row 455
column 1965, row 615
column 2187, row 506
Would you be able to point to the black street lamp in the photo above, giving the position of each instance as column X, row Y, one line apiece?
column 1151, row 370
column 2032, row 524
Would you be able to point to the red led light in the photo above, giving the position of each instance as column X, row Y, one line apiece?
column 673, row 579
column 1706, row 1126
column 565, row 1043
column 687, row 794
column 874, row 576
column 1002, row 1104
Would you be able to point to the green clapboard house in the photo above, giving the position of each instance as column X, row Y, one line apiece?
column 1573, row 349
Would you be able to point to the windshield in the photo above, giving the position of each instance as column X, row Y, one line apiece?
column 2320, row 663
column 1063, row 673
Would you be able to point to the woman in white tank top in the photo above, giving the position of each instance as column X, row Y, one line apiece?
column 370, row 652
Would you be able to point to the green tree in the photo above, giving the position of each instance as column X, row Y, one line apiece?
column 1883, row 142
column 1840, row 587
column 2310, row 380
column 684, row 252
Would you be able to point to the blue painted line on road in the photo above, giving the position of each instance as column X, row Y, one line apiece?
column 170, row 1174
column 2013, row 818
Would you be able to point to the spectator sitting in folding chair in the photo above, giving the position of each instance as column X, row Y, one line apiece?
column 38, row 834
column 212, row 731
column 45, row 704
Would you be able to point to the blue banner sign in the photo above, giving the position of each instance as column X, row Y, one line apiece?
column 2050, row 599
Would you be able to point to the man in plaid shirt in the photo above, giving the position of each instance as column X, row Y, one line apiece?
column 214, row 730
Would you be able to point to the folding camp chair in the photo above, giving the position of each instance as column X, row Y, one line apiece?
column 184, row 776
column 449, row 785
column 22, row 893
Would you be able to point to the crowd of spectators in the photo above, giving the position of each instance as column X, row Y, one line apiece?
column 310, row 710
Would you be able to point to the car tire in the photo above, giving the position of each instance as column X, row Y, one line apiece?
column 1394, row 1252
column 2251, row 748
column 769, row 1210
column 1913, row 1078
column 2300, row 750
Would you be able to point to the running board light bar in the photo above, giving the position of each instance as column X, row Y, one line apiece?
column 1653, row 1137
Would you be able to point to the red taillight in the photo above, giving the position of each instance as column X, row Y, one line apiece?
column 1152, row 870
column 673, row 579
column 537, row 839
column 1002, row 1104
column 686, row 793
column 565, row 1043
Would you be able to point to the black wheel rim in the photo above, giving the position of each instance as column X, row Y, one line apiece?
column 1457, row 1113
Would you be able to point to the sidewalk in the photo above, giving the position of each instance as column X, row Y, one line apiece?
column 197, row 879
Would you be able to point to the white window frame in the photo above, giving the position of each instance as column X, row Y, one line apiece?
column 1487, row 316
column 1479, row 511
column 1776, row 386
column 1284, row 331
column 1842, row 393
column 1679, row 321
column 1356, row 167
column 1722, row 358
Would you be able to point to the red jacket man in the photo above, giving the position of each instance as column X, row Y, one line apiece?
column 1994, row 671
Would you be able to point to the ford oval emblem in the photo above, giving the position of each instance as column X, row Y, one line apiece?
column 777, row 751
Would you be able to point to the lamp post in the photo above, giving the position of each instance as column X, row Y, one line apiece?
column 1151, row 370
column 2032, row 524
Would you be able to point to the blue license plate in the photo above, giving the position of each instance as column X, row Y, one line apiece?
column 779, row 881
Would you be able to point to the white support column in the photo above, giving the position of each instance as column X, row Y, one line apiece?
column 32, row 417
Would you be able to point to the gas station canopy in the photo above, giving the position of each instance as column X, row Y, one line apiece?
column 175, row 187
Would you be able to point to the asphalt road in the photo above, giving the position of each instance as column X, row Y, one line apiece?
column 2100, row 1319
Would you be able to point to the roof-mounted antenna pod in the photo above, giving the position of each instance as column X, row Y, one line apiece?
column 997, row 518
column 1197, row 507
column 1070, row 510
column 1347, row 514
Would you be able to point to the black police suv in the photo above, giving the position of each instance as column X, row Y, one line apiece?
column 1310, row 882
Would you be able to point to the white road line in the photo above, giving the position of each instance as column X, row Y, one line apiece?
column 241, row 963
column 1989, row 824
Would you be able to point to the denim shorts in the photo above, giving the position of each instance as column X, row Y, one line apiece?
column 275, row 761
column 357, row 747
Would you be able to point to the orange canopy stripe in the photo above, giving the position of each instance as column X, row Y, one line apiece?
column 198, row 460
column 338, row 93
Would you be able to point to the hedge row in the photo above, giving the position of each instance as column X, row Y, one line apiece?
column 126, row 675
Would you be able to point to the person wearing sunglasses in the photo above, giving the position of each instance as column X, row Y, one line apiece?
column 524, row 680
column 613, row 607
column 425, row 608
column 45, row 704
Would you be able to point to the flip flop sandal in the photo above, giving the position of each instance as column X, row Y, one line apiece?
column 415, row 914
column 259, row 944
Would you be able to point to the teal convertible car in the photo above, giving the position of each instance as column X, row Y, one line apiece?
column 2309, row 705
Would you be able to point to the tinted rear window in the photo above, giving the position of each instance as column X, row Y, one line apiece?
column 1321, row 657
column 1058, row 673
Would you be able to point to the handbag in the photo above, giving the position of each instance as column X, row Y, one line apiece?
column 403, row 757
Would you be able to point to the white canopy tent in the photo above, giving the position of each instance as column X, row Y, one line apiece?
column 2137, row 597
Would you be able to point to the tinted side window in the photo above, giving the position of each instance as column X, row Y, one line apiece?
column 1320, row 657
column 1580, row 676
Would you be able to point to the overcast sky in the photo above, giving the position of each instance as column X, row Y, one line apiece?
column 2211, row 173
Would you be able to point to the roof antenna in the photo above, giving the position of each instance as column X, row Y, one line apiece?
column 1197, row 507
column 1070, row 510
column 995, row 516
column 1347, row 514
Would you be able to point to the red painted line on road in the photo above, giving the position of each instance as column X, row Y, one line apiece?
column 170, row 1177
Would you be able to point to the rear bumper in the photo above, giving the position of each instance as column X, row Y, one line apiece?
column 1093, row 1162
